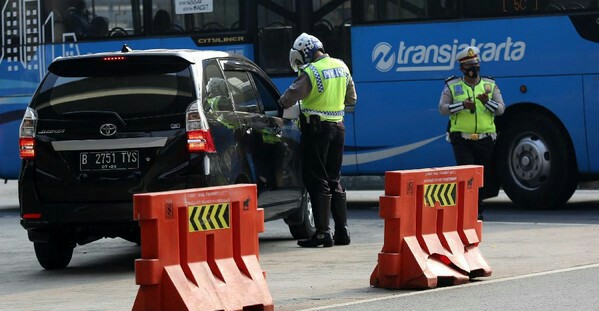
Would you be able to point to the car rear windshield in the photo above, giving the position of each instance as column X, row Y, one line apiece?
column 130, row 86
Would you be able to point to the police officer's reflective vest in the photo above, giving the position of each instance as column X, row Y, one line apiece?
column 220, row 103
column 482, row 121
column 329, row 78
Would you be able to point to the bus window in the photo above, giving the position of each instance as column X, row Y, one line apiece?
column 476, row 8
column 473, row 8
column 409, row 10
column 172, row 17
column 79, row 20
column 394, row 10
column 569, row 5
column 275, row 23
column 279, row 23
column 333, row 28
column 442, row 9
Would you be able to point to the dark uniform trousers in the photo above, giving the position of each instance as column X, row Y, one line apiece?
column 322, row 155
column 478, row 152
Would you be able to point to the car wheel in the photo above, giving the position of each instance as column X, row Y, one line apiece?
column 535, row 164
column 54, row 254
column 303, row 229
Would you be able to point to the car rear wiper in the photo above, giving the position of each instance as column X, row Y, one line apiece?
column 95, row 113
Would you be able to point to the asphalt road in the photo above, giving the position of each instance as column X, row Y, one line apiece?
column 540, row 259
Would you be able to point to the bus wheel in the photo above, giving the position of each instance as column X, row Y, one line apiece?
column 535, row 163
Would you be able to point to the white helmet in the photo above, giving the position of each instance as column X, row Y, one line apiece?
column 303, row 50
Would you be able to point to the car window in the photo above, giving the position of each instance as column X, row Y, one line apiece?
column 268, row 96
column 217, row 96
column 129, row 89
column 244, row 97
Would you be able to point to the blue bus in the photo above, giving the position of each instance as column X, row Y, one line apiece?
column 540, row 52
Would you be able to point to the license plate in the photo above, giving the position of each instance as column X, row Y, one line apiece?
column 109, row 160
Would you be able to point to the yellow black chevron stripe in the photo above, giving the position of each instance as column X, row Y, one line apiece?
column 445, row 194
column 209, row 217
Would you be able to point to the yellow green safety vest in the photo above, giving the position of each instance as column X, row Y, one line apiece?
column 329, row 77
column 483, row 120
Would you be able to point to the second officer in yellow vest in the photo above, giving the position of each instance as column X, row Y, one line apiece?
column 324, row 86
column 472, row 102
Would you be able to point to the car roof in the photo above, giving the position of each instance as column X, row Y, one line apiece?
column 192, row 56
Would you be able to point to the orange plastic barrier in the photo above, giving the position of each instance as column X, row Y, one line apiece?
column 431, row 228
column 199, row 250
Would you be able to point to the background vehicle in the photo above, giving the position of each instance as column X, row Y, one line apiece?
column 541, row 53
column 102, row 127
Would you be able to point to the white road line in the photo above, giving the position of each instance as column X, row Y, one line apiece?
column 484, row 282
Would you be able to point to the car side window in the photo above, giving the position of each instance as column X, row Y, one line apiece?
column 244, row 97
column 217, row 93
column 268, row 96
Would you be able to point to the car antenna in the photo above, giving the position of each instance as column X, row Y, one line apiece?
column 126, row 48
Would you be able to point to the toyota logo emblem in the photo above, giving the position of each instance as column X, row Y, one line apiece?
column 108, row 129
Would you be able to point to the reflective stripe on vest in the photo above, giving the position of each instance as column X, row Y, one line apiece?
column 482, row 121
column 329, row 78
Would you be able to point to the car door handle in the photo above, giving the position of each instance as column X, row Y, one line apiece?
column 278, row 132
column 247, row 129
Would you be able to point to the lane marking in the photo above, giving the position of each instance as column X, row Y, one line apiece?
column 482, row 282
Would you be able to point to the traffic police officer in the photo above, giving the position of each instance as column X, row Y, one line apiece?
column 218, row 96
column 324, row 86
column 472, row 102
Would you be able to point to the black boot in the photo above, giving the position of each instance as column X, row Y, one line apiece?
column 339, row 209
column 321, row 204
column 319, row 238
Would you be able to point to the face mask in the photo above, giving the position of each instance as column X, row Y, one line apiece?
column 472, row 72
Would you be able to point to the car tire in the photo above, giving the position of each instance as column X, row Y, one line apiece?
column 535, row 162
column 303, row 229
column 54, row 254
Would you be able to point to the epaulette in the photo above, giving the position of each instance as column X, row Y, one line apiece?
column 451, row 78
column 304, row 66
column 488, row 77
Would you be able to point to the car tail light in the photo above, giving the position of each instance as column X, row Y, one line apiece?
column 199, row 138
column 32, row 216
column 27, row 134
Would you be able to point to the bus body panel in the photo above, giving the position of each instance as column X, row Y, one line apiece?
column 17, row 84
column 10, row 164
column 427, row 51
column 400, row 68
column 401, row 128
column 591, row 94
column 549, row 93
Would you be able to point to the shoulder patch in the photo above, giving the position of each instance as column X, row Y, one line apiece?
column 488, row 87
column 458, row 90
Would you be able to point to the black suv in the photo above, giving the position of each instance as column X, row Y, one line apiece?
column 105, row 126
